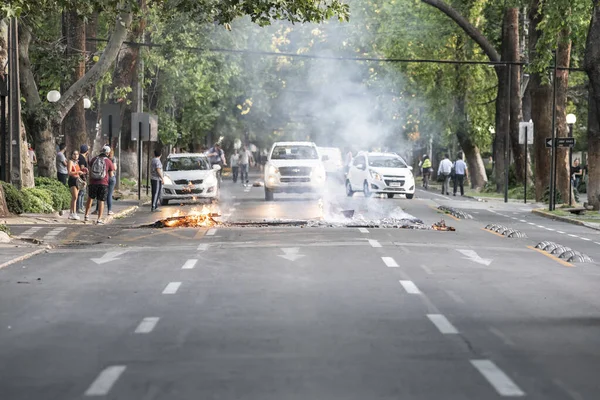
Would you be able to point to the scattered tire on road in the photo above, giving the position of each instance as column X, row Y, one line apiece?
column 505, row 231
column 454, row 212
column 564, row 252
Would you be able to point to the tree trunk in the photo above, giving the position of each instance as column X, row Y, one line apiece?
column 74, row 125
column 563, row 170
column 502, row 111
column 592, row 67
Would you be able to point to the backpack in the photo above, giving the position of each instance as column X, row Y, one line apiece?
column 98, row 170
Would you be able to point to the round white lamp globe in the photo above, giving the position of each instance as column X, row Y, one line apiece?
column 571, row 119
column 87, row 103
column 53, row 96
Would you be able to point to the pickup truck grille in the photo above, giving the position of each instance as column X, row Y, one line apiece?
column 192, row 191
column 294, row 171
column 186, row 182
column 294, row 180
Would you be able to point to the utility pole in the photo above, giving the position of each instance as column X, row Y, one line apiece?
column 14, row 102
column 3, row 133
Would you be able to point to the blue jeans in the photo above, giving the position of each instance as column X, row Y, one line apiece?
column 112, row 181
column 80, row 198
column 244, row 172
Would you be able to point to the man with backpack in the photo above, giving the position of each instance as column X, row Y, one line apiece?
column 101, row 169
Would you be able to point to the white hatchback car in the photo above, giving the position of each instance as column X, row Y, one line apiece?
column 380, row 173
column 189, row 176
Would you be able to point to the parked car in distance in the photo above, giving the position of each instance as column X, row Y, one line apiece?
column 293, row 167
column 189, row 176
column 380, row 173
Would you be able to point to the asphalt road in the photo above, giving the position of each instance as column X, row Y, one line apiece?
column 288, row 312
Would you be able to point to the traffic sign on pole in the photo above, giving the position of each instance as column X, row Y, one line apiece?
column 548, row 142
column 565, row 142
column 526, row 131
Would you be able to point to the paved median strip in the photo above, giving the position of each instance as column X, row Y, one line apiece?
column 497, row 378
column 105, row 381
column 442, row 323
column 147, row 325
column 390, row 262
column 172, row 288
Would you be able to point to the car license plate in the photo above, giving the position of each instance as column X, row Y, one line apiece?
column 396, row 184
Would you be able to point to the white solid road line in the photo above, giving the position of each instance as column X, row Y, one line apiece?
column 211, row 232
column 105, row 381
column 410, row 287
column 172, row 288
column 203, row 246
column 147, row 325
column 363, row 230
column 442, row 323
column 497, row 378
column 374, row 243
column 189, row 264
column 389, row 261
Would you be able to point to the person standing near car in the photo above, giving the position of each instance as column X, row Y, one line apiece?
column 62, row 173
column 460, row 174
column 444, row 170
column 156, row 179
column 234, row 161
column 101, row 168
column 245, row 160
column 426, row 171
column 83, row 165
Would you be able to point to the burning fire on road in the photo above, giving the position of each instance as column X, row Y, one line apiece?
column 203, row 218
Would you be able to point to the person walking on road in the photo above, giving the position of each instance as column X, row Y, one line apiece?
column 83, row 165
column 157, row 179
column 101, row 169
column 245, row 160
column 216, row 155
column 75, row 183
column 460, row 174
column 426, row 171
column 62, row 173
column 234, row 161
column 444, row 170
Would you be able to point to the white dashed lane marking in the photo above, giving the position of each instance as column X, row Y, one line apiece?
column 561, row 232
column 363, row 230
column 410, row 287
column 390, row 262
column 203, row 246
column 105, row 381
column 189, row 264
column 442, row 323
column 147, row 325
column 374, row 243
column 522, row 220
column 172, row 288
column 575, row 236
column 586, row 239
column 497, row 378
column 211, row 232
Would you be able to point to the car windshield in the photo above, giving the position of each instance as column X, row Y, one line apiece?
column 187, row 164
column 294, row 153
column 386, row 162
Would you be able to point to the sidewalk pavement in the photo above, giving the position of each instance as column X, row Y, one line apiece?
column 121, row 209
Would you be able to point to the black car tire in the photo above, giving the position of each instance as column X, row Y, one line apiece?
column 349, row 191
column 367, row 190
column 269, row 195
column 410, row 196
column 390, row 195
column 164, row 202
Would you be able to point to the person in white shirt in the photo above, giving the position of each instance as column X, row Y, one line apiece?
column 460, row 174
column 234, row 162
column 245, row 160
column 445, row 169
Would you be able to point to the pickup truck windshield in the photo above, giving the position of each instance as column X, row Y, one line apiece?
column 187, row 164
column 294, row 153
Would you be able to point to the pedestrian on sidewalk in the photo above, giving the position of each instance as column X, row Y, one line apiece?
column 576, row 174
column 444, row 170
column 426, row 171
column 32, row 158
column 75, row 183
column 62, row 173
column 156, row 179
column 246, row 159
column 112, row 181
column 234, row 161
column 101, row 169
column 83, row 165
column 460, row 174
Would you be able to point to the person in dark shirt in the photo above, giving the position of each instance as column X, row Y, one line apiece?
column 83, row 164
column 576, row 173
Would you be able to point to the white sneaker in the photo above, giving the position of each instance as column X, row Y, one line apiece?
column 74, row 216
column 111, row 213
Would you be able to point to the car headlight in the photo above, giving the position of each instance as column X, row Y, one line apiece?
column 376, row 175
column 272, row 170
column 167, row 180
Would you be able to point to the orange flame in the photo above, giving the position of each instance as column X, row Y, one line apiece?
column 195, row 218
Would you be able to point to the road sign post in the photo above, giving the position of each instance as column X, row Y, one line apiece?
column 140, row 126
column 526, row 138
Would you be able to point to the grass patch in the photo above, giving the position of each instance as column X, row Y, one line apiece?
column 5, row 229
column 589, row 216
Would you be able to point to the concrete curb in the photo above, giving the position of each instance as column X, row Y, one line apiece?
column 123, row 213
column 568, row 220
column 22, row 258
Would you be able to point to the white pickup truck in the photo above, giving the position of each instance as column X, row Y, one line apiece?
column 294, row 167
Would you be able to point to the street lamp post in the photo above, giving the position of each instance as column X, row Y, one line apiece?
column 571, row 120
